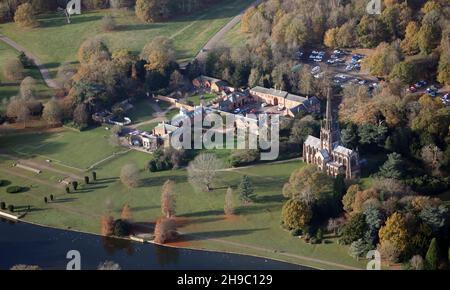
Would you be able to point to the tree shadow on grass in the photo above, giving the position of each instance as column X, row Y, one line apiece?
column 219, row 234
column 159, row 181
column 64, row 200
column 270, row 199
column 202, row 213
column 144, row 208
column 137, row 27
column 105, row 181
column 58, row 20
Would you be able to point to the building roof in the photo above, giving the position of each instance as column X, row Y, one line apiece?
column 342, row 150
column 273, row 92
column 324, row 154
column 296, row 98
column 313, row 142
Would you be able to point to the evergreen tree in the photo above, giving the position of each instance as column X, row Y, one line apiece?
column 393, row 167
column 432, row 256
column 246, row 189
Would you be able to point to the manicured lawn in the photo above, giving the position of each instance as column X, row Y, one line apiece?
column 55, row 41
column 8, row 88
column 172, row 113
column 234, row 37
column 206, row 98
column 148, row 127
column 254, row 230
column 142, row 111
column 69, row 148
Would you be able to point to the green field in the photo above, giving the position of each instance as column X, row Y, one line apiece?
column 68, row 148
column 255, row 229
column 55, row 41
column 8, row 88
column 207, row 97
column 234, row 37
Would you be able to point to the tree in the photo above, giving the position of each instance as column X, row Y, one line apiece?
column 13, row 70
column 245, row 190
column 158, row 54
column 370, row 31
column 416, row 262
column 93, row 49
column 24, row 16
column 432, row 256
column 165, row 230
column 330, row 38
column 389, row 251
column 52, row 113
column 107, row 224
column 434, row 216
column 296, row 214
column 129, row 175
column 168, row 199
column 393, row 167
column 28, row 88
column 151, row 10
column 75, row 185
column 395, row 231
column 108, row 23
column 354, row 230
column 444, row 62
column 334, row 224
column 121, row 228
column 23, row 115
column 126, row 214
column 433, row 158
column 80, row 115
column 381, row 62
column 358, row 249
column 410, row 44
column 203, row 169
column 229, row 201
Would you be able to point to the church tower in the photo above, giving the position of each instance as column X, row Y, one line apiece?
column 329, row 132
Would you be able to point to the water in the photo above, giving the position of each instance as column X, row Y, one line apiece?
column 22, row 243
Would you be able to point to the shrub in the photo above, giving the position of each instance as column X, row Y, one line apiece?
column 108, row 23
column 14, row 189
column 75, row 185
column 2, row 205
column 121, row 228
column 45, row 200
column 67, row 189
column 2, row 182
column 11, row 208
column 13, row 70
column 94, row 175
column 23, row 58
column 86, row 179
column 296, row 232
column 52, row 197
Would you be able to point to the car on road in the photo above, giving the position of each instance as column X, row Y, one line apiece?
column 253, row 111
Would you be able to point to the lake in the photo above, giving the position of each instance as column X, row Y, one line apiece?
column 22, row 243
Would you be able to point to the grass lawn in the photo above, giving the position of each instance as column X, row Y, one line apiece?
column 148, row 127
column 142, row 111
column 8, row 88
column 68, row 148
column 254, row 230
column 172, row 113
column 196, row 99
column 234, row 37
column 55, row 41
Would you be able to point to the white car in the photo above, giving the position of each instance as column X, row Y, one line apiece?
column 263, row 105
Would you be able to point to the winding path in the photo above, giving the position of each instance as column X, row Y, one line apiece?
column 51, row 83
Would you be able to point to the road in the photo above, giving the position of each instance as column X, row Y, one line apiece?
column 219, row 35
column 51, row 83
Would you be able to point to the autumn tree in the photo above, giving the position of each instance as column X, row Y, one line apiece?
column 168, row 199
column 176, row 80
column 13, row 70
column 158, row 54
column 93, row 49
column 152, row 10
column 52, row 112
column 203, row 169
column 330, row 38
column 370, row 31
column 296, row 214
column 108, row 23
column 381, row 62
column 417, row 263
column 81, row 115
column 433, row 158
column 396, row 232
column 410, row 44
column 24, row 16
column 129, row 175
column 165, row 230
column 444, row 61
column 389, row 251
column 107, row 225
column 354, row 229
column 229, row 201
column 126, row 214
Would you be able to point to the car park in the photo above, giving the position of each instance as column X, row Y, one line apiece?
column 420, row 84
column 432, row 89
column 237, row 111
column 411, row 89
column 315, row 70
column 263, row 105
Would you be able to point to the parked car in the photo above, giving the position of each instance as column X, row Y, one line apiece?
column 432, row 89
column 420, row 84
column 237, row 111
column 433, row 94
column 315, row 70
column 253, row 111
column 412, row 89
column 263, row 105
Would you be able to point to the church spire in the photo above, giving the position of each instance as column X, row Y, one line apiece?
column 329, row 111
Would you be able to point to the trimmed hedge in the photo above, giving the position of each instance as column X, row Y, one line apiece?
column 14, row 189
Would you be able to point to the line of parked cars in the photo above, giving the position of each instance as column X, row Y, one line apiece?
column 317, row 56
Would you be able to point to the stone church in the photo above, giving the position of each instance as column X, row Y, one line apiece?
column 327, row 153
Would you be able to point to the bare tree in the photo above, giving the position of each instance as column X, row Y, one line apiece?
column 52, row 113
column 168, row 199
column 129, row 175
column 28, row 88
column 229, row 201
column 165, row 230
column 203, row 169
column 433, row 157
column 23, row 115
column 126, row 214
column 417, row 262
column 107, row 223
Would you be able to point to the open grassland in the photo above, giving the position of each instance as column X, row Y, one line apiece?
column 8, row 88
column 254, row 230
column 55, row 42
